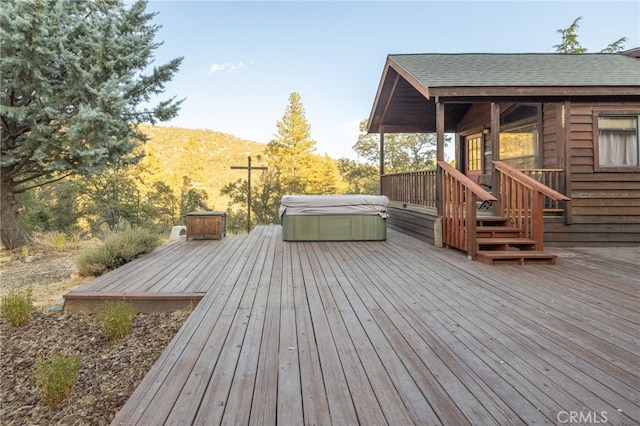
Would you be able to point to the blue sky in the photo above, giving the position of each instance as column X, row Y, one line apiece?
column 243, row 59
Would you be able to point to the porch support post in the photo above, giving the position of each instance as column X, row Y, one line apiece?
column 381, row 154
column 382, row 163
column 495, row 152
column 439, row 151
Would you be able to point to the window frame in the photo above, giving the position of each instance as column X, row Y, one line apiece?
column 535, row 120
column 597, row 167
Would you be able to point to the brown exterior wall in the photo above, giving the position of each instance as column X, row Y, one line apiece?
column 552, row 143
column 605, row 205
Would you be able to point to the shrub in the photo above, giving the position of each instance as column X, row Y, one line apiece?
column 55, row 378
column 116, row 250
column 16, row 306
column 116, row 318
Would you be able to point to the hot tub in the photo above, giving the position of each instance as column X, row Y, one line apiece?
column 334, row 217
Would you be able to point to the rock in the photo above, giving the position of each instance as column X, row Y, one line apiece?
column 29, row 259
column 57, row 307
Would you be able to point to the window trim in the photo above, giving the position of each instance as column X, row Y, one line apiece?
column 597, row 167
column 535, row 120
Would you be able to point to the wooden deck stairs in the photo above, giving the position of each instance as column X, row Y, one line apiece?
column 519, row 200
column 497, row 242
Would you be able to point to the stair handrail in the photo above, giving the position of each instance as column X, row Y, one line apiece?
column 554, row 179
column 480, row 192
column 524, row 208
column 529, row 182
column 458, row 208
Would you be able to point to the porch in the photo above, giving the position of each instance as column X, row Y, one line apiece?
column 456, row 211
column 547, row 113
column 389, row 332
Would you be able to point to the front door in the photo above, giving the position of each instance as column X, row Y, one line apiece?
column 474, row 156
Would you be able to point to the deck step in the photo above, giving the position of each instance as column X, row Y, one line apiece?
column 516, row 257
column 497, row 232
column 492, row 221
column 504, row 244
column 91, row 302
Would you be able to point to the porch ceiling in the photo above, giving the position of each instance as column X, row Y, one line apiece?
column 403, row 109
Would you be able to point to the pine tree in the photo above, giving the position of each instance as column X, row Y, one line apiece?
column 74, row 86
column 291, row 151
column 324, row 177
column 570, row 43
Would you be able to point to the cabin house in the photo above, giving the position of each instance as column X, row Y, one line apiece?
column 546, row 150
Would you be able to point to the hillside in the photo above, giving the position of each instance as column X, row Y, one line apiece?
column 204, row 156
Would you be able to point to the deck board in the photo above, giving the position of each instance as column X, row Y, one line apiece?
column 391, row 332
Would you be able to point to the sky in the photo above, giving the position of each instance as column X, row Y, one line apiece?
column 243, row 59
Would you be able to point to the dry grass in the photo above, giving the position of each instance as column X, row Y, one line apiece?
column 16, row 306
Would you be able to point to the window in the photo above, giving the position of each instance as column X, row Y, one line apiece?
column 474, row 153
column 618, row 144
column 519, row 137
column 519, row 146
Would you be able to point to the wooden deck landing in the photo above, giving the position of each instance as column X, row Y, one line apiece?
column 395, row 332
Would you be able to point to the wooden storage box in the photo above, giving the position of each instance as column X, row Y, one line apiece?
column 206, row 225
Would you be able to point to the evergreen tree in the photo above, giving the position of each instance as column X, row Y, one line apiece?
column 74, row 86
column 291, row 151
column 570, row 43
column 324, row 177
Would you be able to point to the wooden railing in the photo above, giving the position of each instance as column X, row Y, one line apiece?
column 411, row 188
column 554, row 179
column 522, row 200
column 460, row 195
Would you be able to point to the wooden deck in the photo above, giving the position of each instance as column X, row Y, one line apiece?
column 395, row 332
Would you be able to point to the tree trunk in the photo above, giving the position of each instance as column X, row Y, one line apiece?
column 11, row 233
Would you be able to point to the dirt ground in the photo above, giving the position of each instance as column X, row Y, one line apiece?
column 50, row 272
column 110, row 370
